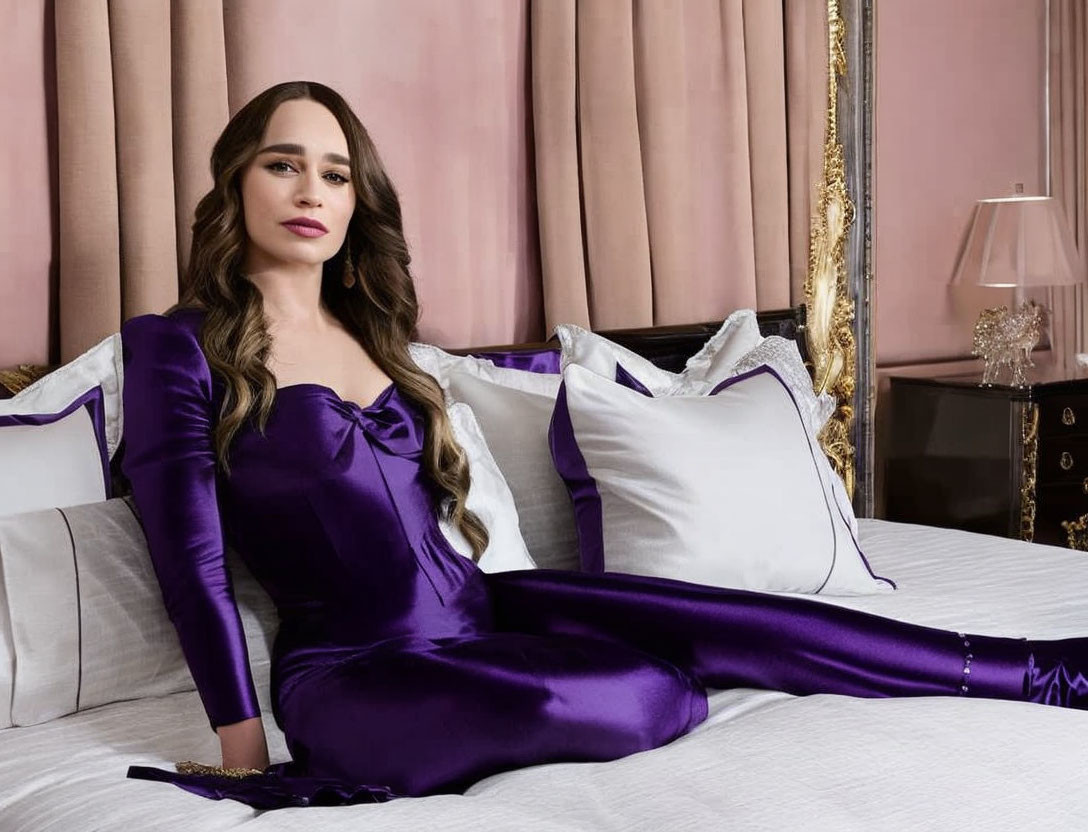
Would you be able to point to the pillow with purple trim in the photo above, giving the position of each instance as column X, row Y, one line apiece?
column 724, row 489
column 100, row 366
column 54, row 459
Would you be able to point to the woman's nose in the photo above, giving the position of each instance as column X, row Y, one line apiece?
column 308, row 192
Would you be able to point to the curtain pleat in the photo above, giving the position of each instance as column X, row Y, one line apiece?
column 141, row 93
column 200, row 109
column 552, row 28
column 767, row 147
column 1069, row 159
column 90, row 255
column 139, row 41
column 617, row 241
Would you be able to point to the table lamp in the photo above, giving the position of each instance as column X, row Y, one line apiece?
column 1022, row 242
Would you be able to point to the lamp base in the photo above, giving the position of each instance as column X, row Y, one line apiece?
column 1006, row 339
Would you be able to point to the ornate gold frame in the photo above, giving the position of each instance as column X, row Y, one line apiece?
column 829, row 332
column 1029, row 444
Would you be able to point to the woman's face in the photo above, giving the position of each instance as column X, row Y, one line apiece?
column 300, row 171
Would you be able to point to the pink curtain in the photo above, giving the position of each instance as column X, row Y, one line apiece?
column 141, row 97
column 1069, row 156
column 676, row 149
column 143, row 89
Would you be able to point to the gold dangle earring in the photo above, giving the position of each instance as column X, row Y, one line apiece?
column 349, row 267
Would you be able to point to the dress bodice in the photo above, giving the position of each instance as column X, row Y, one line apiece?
column 333, row 513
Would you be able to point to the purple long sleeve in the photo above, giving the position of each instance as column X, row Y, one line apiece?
column 169, row 458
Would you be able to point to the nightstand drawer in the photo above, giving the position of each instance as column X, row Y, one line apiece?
column 1065, row 415
column 1057, row 503
column 1000, row 460
column 1062, row 458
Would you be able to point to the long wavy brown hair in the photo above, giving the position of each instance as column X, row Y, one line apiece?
column 380, row 310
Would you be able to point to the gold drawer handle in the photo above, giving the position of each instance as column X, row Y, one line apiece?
column 1084, row 485
column 1066, row 460
column 1076, row 532
column 1069, row 417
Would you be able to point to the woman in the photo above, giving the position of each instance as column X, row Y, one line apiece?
column 277, row 406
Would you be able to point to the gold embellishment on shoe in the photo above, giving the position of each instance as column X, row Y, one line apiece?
column 189, row 767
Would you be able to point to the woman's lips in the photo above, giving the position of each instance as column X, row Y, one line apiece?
column 304, row 230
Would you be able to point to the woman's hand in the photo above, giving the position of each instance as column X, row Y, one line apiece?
column 243, row 744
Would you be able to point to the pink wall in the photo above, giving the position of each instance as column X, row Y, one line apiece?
column 28, row 194
column 959, row 115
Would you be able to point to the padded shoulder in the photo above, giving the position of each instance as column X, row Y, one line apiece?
column 151, row 344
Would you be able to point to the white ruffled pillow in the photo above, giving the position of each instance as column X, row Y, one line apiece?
column 736, row 337
column 713, row 363
column 724, row 489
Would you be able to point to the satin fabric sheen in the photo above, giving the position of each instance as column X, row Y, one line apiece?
column 540, row 360
column 400, row 669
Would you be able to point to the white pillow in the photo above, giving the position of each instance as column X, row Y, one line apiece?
column 723, row 489
column 88, row 624
column 783, row 356
column 515, row 426
column 513, row 409
column 737, row 336
column 735, row 348
column 53, row 458
column 490, row 498
column 100, row 366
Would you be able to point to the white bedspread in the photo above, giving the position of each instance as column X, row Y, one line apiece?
column 763, row 760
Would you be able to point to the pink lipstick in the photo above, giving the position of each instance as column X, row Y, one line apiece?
column 305, row 227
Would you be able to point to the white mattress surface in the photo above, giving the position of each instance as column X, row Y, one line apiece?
column 763, row 760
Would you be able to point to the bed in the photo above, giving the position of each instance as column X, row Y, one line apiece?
column 763, row 760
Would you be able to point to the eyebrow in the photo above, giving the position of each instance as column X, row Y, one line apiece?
column 299, row 150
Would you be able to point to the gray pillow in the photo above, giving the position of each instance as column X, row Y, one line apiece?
column 85, row 623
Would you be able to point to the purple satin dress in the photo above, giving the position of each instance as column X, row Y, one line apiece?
column 399, row 668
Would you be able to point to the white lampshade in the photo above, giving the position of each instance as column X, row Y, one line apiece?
column 1019, row 241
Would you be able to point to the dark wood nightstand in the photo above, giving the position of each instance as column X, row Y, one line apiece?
column 999, row 460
